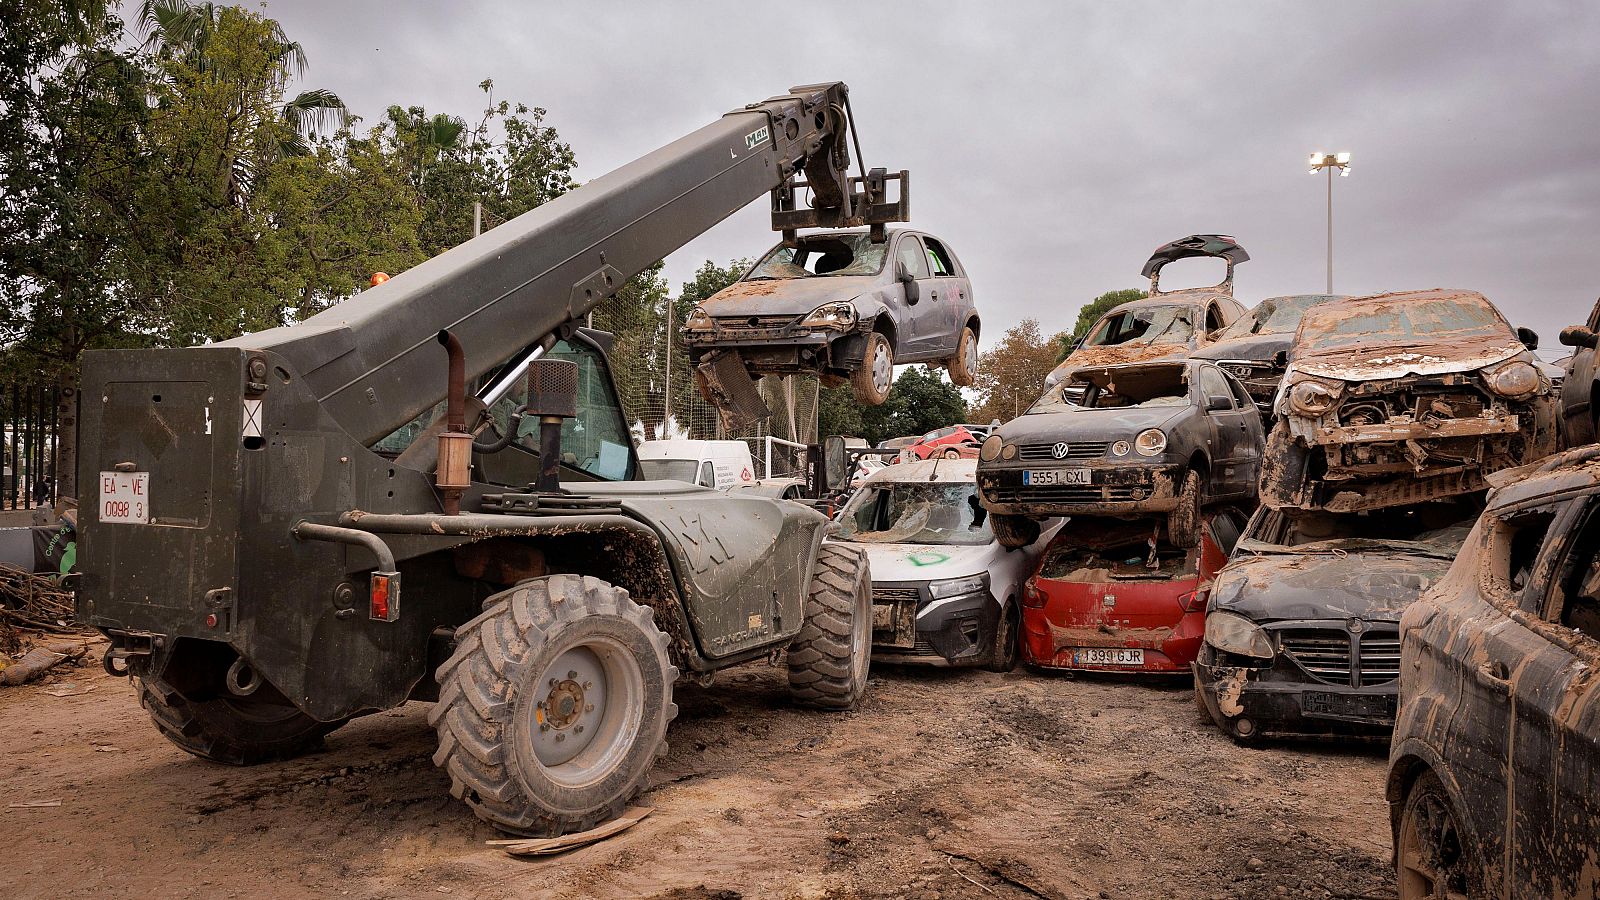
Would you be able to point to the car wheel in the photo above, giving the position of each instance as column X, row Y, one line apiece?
column 1013, row 532
column 1003, row 657
column 1183, row 523
column 876, row 375
column 1435, row 858
column 952, row 454
column 830, row 656
column 963, row 367
column 238, row 731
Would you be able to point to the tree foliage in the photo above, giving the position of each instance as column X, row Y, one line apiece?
column 1091, row 312
column 1011, row 374
column 921, row 401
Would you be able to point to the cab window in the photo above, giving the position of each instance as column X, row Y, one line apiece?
column 596, row 440
column 939, row 260
column 909, row 254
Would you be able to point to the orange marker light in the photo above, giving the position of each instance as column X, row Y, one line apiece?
column 379, row 278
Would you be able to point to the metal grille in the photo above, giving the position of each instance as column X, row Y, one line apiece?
column 1066, row 493
column 1379, row 657
column 1075, row 450
column 1323, row 652
column 893, row 594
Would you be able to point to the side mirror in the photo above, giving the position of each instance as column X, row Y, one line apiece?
column 1280, row 360
column 835, row 461
column 1578, row 336
column 1219, row 404
column 832, row 529
column 1529, row 338
column 903, row 275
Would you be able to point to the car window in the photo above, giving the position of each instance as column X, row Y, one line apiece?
column 909, row 254
column 1518, row 537
column 1213, row 318
column 1274, row 315
column 816, row 255
column 667, row 470
column 708, row 475
column 1214, row 385
column 939, row 259
column 1241, row 395
column 1458, row 319
column 1148, row 325
column 1575, row 592
column 916, row 513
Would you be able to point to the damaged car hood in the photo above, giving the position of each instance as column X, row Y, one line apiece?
column 1082, row 423
column 1376, row 586
column 926, row 562
column 1256, row 348
column 1383, row 361
column 782, row 296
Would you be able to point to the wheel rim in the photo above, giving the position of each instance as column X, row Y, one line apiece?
column 589, row 704
column 1432, row 860
column 969, row 352
column 861, row 640
column 882, row 368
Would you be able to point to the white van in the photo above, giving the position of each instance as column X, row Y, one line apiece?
column 714, row 464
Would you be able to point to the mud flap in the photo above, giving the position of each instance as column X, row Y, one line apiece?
column 733, row 391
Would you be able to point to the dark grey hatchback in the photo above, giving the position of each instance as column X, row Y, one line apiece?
column 1161, row 437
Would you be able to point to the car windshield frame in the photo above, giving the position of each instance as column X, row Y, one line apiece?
column 1338, row 326
column 1250, row 325
column 910, row 525
column 778, row 263
column 1159, row 329
column 1055, row 399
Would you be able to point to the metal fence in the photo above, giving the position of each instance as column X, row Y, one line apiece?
column 28, row 419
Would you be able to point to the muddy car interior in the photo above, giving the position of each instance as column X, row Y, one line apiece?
column 1115, row 550
column 822, row 254
column 1143, row 386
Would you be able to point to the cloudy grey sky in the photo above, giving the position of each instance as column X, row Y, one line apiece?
column 1056, row 144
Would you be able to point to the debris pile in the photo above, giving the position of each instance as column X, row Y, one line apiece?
column 30, row 602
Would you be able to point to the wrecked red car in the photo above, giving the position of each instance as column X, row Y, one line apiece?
column 1404, row 397
column 1116, row 596
column 1494, row 769
column 953, row 442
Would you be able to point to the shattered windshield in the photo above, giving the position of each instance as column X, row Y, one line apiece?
column 1400, row 321
column 1435, row 529
column 1119, row 387
column 1274, row 315
column 1145, row 325
column 823, row 254
column 910, row 513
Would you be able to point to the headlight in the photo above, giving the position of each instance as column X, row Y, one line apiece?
column 841, row 314
column 1009, row 451
column 990, row 450
column 697, row 319
column 1150, row 442
column 1236, row 634
column 1311, row 398
column 956, row 586
column 1514, row 379
column 1121, row 448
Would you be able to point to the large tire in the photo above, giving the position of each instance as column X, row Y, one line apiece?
column 1013, row 532
column 518, row 693
column 871, row 382
column 829, row 658
column 238, row 731
column 1003, row 656
column 1184, row 522
column 1435, row 857
column 963, row 367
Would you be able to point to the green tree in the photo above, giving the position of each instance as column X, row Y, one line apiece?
column 1090, row 313
column 1011, row 374
column 920, row 401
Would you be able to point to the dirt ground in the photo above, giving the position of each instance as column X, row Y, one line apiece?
column 943, row 785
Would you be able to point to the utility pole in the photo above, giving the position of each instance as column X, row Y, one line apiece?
column 666, row 412
column 1327, row 162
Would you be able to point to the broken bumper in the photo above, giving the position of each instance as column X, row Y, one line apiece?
column 1281, row 699
column 1392, row 432
column 951, row 631
column 1113, row 489
column 783, row 351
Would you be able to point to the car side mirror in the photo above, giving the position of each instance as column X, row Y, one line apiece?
column 1529, row 338
column 1579, row 336
column 835, row 462
column 903, row 275
column 1280, row 360
column 1219, row 404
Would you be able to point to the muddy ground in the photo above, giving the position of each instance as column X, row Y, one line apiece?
column 943, row 785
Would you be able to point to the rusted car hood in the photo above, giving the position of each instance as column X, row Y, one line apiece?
column 796, row 296
column 1382, row 361
column 1117, row 355
column 1256, row 348
column 1373, row 585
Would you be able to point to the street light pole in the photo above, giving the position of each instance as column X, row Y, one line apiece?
column 1328, row 162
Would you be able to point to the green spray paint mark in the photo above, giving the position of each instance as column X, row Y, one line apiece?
column 927, row 558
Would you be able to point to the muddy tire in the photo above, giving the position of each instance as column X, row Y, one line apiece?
column 872, row 381
column 1184, row 522
column 238, row 731
column 829, row 658
column 1006, row 634
column 952, row 453
column 554, row 706
column 1013, row 532
column 1435, row 857
column 963, row 367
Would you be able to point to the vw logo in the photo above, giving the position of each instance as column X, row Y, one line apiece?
column 1059, row 451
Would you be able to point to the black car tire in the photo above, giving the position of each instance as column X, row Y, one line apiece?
column 1013, row 532
column 1184, row 522
column 872, row 381
column 952, row 453
column 829, row 659
column 238, row 731
column 963, row 367
column 1007, row 631
column 524, row 672
column 1434, row 858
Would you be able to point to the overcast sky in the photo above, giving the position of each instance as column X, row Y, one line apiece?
column 1054, row 145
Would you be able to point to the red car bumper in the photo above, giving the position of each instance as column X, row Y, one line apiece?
column 1147, row 617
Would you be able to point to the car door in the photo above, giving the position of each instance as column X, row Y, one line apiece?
column 919, row 316
column 1228, row 429
column 1255, row 433
column 953, row 296
column 1577, row 391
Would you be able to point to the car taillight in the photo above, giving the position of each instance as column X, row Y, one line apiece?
column 1194, row 601
column 385, row 596
column 1031, row 596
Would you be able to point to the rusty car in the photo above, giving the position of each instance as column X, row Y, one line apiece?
column 1166, row 324
column 1117, row 596
column 944, row 592
column 1302, row 633
column 1155, row 437
column 1494, row 768
column 1255, row 347
column 1580, row 385
column 1404, row 397
column 838, row 305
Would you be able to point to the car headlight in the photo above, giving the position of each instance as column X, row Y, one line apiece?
column 1009, row 451
column 990, row 451
column 1235, row 634
column 697, row 319
column 1312, row 398
column 840, row 314
column 1150, row 442
column 1121, row 448
column 957, row 586
column 1514, row 379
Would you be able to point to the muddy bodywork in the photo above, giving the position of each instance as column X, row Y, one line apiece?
column 1096, row 587
column 1500, row 696
column 1257, row 357
column 763, row 319
column 1408, row 416
column 1580, row 386
column 1224, row 443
